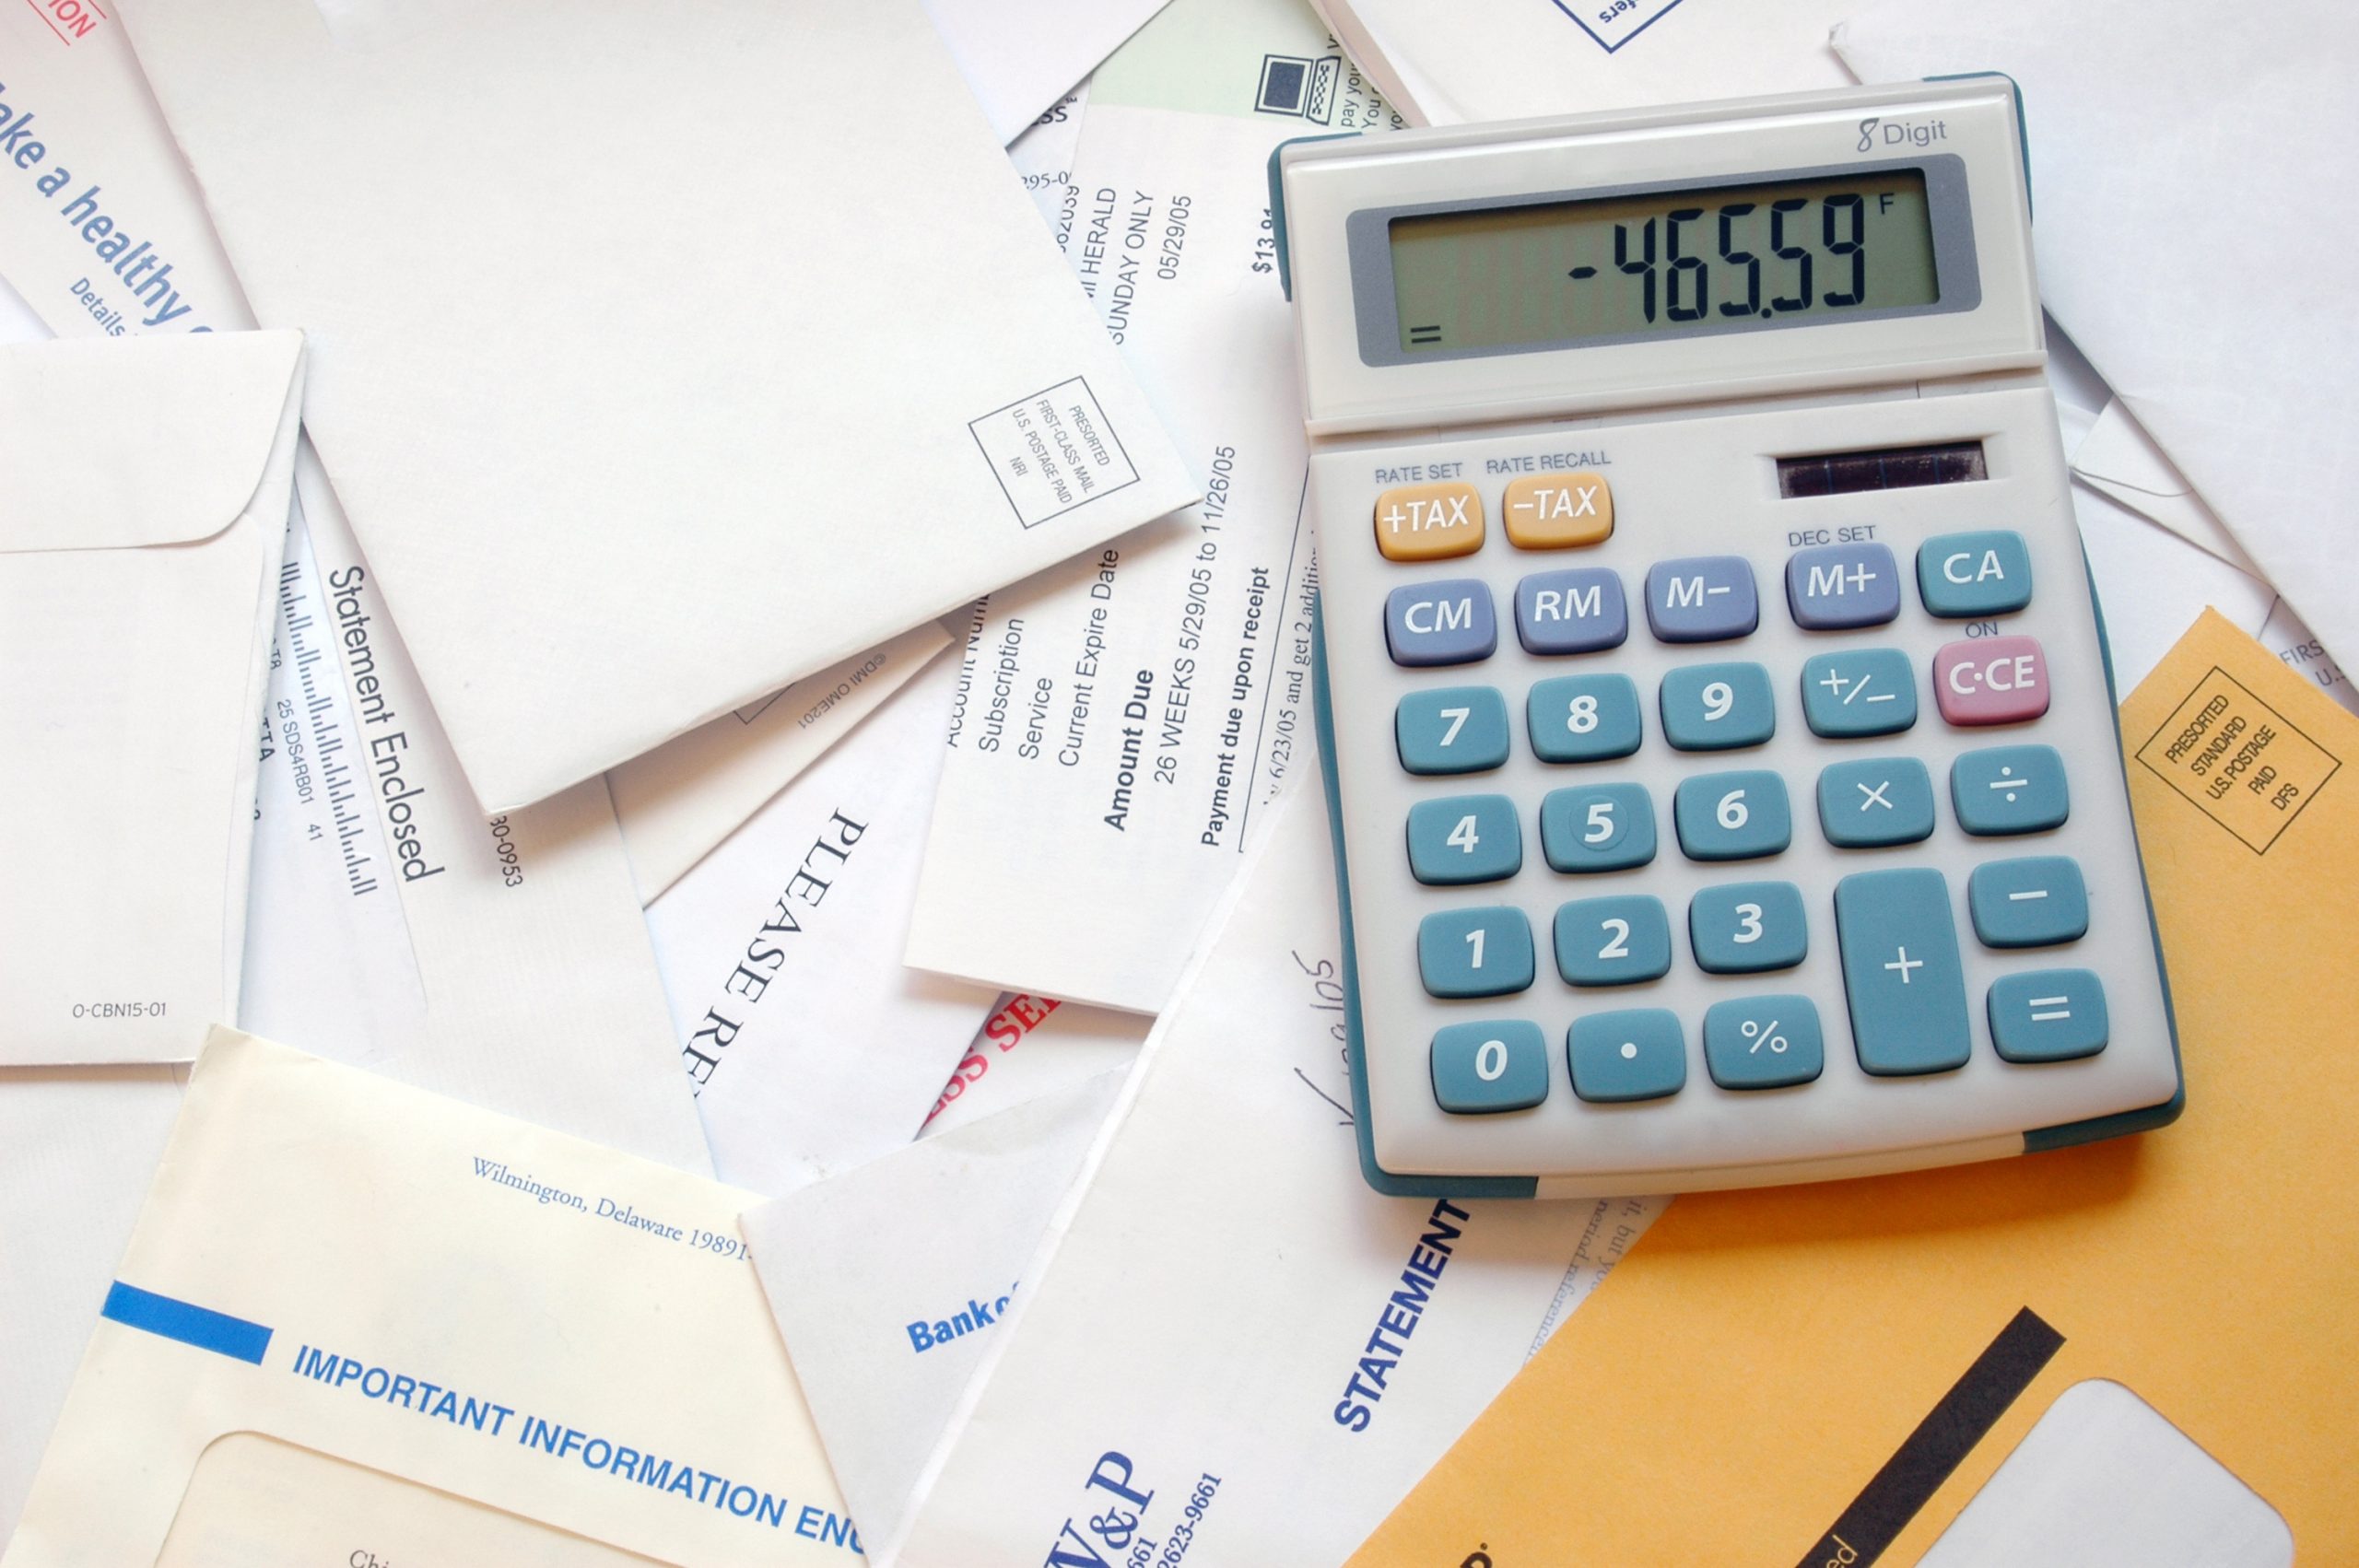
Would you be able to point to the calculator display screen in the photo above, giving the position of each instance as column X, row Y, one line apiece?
column 1724, row 258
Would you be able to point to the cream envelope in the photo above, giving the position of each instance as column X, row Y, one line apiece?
column 145, row 503
column 359, row 1313
column 663, row 358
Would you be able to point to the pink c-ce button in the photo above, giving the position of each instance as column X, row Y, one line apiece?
column 1992, row 680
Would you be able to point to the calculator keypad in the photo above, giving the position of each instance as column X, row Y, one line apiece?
column 1966, row 577
column 1859, row 668
column 1713, row 707
column 2007, row 790
column 1763, row 1042
column 1875, row 803
column 2048, row 1016
column 1732, row 816
column 1429, row 522
column 1748, row 928
column 1470, row 953
column 1901, row 972
column 1558, row 511
column 1992, row 680
column 1453, row 729
column 1702, row 599
column 1463, row 840
column 1441, row 623
column 1616, row 941
column 1860, row 691
column 1835, row 587
column 1482, row 1068
column 1584, row 718
column 1597, row 827
column 2037, row 901
column 1637, row 1054
column 1578, row 609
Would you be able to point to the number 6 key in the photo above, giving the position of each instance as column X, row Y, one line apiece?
column 1732, row 816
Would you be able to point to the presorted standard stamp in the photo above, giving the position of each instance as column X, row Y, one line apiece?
column 2242, row 763
column 1053, row 452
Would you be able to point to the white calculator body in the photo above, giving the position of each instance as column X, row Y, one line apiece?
column 1717, row 726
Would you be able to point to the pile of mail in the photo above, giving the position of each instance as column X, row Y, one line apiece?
column 654, row 664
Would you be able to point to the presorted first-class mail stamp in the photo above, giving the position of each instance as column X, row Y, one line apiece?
column 1053, row 452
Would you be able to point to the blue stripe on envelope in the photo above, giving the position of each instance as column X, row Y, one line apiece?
column 190, row 1324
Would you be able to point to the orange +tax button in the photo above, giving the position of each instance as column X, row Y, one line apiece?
column 1556, row 512
column 1429, row 522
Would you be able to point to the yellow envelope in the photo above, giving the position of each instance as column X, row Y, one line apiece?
column 1822, row 1375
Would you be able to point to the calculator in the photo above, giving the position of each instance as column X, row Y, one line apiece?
column 1717, row 728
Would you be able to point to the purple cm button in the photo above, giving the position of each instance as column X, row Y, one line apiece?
column 1450, row 622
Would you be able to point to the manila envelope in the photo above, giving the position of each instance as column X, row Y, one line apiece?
column 662, row 355
column 1830, row 1375
column 143, row 505
column 360, row 1322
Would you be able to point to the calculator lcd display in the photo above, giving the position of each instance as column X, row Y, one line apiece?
column 1728, row 258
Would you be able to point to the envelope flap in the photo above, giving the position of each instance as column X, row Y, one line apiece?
column 107, row 443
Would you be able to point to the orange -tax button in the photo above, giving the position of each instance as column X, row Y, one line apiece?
column 1429, row 522
column 1556, row 512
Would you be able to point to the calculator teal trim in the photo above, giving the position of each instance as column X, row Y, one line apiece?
column 1278, row 204
column 2022, row 127
column 1382, row 1180
column 2096, row 1129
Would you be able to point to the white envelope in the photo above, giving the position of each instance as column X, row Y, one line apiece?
column 662, row 358
column 810, row 1046
column 2177, row 161
column 2119, row 457
column 1020, row 56
column 519, row 974
column 504, row 962
column 1042, row 158
column 18, row 321
column 678, row 800
column 1206, row 1319
column 1029, row 1047
column 354, row 1313
column 922, row 1247
column 1514, row 59
column 141, row 516
column 2152, row 585
column 81, row 1145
